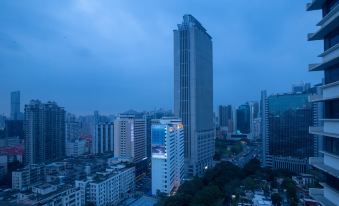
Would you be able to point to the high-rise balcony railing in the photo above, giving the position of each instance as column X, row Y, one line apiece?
column 324, row 164
column 318, row 195
column 327, row 24
column 329, row 91
column 329, row 129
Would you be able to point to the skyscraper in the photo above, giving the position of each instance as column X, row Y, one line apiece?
column 167, row 155
column 44, row 125
column 193, row 93
column 329, row 163
column 15, row 105
column 226, row 117
column 244, row 119
column 288, row 145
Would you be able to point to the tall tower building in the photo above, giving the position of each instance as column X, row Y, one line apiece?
column 44, row 132
column 244, row 119
column 288, row 145
column 193, row 93
column 15, row 105
column 328, row 165
column 226, row 117
column 167, row 155
column 130, row 138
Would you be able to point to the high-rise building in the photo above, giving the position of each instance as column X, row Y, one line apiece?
column 130, row 138
column 193, row 93
column 72, row 128
column 44, row 125
column 103, row 140
column 15, row 105
column 288, row 145
column 226, row 117
column 301, row 87
column 329, row 131
column 14, row 128
column 263, row 126
column 167, row 156
column 244, row 119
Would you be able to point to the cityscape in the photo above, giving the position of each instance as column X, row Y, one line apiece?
column 271, row 146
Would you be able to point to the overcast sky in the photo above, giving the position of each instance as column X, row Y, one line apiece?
column 112, row 55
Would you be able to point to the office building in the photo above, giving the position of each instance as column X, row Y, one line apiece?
column 328, row 164
column 109, row 187
column 44, row 125
column 15, row 105
column 288, row 144
column 193, row 93
column 167, row 156
column 226, row 118
column 130, row 138
column 103, row 140
column 244, row 119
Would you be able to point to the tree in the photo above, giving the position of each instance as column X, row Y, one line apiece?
column 209, row 195
column 252, row 167
column 276, row 199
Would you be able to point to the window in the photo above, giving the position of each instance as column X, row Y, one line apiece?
column 332, row 109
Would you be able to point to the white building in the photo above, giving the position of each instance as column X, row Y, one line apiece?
column 167, row 156
column 51, row 195
column 75, row 148
column 130, row 138
column 328, row 131
column 103, row 140
column 109, row 187
column 22, row 179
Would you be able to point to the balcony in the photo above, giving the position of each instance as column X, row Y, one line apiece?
column 318, row 162
column 318, row 195
column 327, row 130
column 327, row 24
column 314, row 5
column 329, row 91
column 325, row 64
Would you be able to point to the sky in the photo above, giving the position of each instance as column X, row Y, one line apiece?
column 116, row 55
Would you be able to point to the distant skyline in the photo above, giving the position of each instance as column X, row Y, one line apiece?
column 113, row 56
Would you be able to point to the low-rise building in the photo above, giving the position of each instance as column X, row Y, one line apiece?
column 109, row 187
column 22, row 179
column 50, row 195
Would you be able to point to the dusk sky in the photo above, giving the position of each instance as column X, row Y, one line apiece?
column 112, row 55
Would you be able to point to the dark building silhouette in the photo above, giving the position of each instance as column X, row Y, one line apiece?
column 44, row 125
column 244, row 119
column 14, row 128
column 226, row 117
